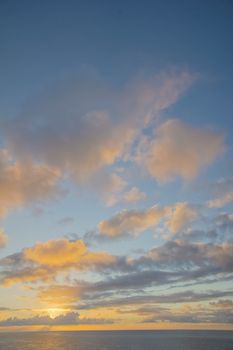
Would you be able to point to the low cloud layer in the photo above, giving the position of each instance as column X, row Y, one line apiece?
column 71, row 318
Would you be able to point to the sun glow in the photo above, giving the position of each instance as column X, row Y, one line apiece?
column 54, row 312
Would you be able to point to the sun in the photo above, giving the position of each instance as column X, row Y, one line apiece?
column 54, row 312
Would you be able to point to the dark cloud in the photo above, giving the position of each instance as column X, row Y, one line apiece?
column 180, row 253
column 70, row 318
column 67, row 220
column 206, row 314
column 187, row 296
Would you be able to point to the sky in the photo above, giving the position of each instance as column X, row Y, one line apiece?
column 116, row 167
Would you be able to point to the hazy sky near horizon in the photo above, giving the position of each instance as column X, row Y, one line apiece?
column 116, row 171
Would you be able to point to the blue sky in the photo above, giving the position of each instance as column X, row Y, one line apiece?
column 116, row 159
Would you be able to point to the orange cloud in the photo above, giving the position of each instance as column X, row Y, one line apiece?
column 179, row 149
column 24, row 182
column 181, row 214
column 28, row 275
column 131, row 221
column 61, row 294
column 64, row 253
column 44, row 261
column 174, row 218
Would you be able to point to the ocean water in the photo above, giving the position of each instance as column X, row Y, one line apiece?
column 118, row 340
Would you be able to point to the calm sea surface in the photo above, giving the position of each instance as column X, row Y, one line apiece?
column 127, row 340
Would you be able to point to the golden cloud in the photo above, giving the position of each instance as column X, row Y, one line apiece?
column 44, row 261
column 64, row 253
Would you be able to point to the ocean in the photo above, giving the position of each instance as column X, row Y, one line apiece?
column 118, row 340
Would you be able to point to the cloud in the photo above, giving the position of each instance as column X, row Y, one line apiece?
column 111, row 287
column 224, row 222
column 180, row 253
column 65, row 253
column 188, row 306
column 174, row 218
column 70, row 318
column 134, row 195
column 202, row 313
column 179, row 150
column 3, row 239
column 25, row 182
column 78, row 129
column 62, row 294
column 181, row 214
column 151, row 300
column 83, row 125
column 119, row 280
column 131, row 222
column 222, row 201
column 67, row 220
column 111, row 187
column 173, row 263
column 44, row 261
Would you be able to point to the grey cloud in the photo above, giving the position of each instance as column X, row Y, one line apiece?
column 70, row 318
column 150, row 299
column 192, row 315
column 67, row 220
column 180, row 297
column 183, row 253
